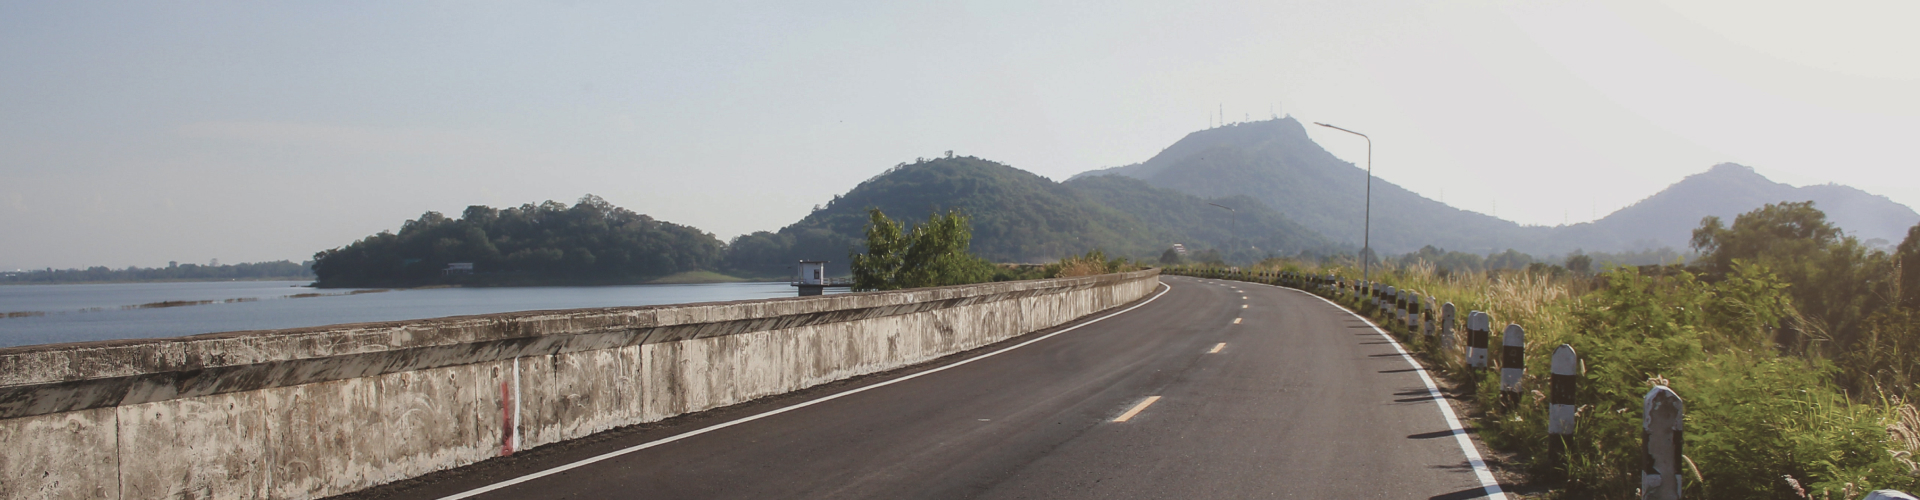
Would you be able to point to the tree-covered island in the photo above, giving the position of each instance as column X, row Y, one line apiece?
column 589, row 243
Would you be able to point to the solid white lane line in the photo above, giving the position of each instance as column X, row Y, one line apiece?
column 1137, row 408
column 1487, row 481
column 556, row 470
column 1217, row 348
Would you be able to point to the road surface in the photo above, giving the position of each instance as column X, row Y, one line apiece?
column 1209, row 389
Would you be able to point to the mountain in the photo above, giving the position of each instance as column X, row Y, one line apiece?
column 1022, row 217
column 1274, row 162
column 1669, row 217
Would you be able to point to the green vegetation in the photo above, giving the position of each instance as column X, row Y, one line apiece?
column 930, row 254
column 276, row 270
column 1793, row 346
column 592, row 242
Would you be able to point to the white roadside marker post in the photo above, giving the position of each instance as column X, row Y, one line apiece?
column 1662, row 437
column 1446, row 327
column 1391, row 304
column 1561, row 407
column 1478, row 325
column 1513, row 364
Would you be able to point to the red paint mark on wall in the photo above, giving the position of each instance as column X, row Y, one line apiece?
column 506, row 419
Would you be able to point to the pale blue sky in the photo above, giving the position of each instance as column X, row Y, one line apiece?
column 137, row 133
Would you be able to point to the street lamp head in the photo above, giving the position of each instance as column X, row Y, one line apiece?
column 1369, row 139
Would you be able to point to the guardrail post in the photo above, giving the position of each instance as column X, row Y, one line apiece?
column 1662, row 437
column 1426, row 317
column 1399, row 298
column 1478, row 329
column 1412, row 299
column 1513, row 364
column 1387, row 302
column 1446, row 326
column 1561, row 408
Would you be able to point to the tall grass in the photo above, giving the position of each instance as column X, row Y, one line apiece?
column 1755, row 416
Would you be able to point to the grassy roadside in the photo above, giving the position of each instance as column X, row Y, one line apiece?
column 1755, row 417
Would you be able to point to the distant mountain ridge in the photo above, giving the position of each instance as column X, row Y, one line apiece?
column 1275, row 162
column 1728, row 189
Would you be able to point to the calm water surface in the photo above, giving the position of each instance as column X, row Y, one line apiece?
column 78, row 313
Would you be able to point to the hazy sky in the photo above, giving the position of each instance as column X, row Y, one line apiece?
column 142, row 132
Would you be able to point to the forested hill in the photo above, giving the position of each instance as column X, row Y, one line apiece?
column 1022, row 217
column 591, row 242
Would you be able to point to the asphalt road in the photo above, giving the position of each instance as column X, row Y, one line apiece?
column 1256, row 392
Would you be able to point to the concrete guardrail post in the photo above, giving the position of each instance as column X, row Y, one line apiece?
column 1413, row 311
column 1399, row 299
column 1561, row 407
column 1387, row 304
column 1513, row 364
column 1446, row 327
column 1478, row 329
column 1662, row 439
column 1427, row 327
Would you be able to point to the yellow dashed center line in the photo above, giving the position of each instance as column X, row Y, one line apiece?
column 1137, row 408
column 1217, row 348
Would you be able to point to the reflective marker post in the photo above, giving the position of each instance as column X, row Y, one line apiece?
column 1478, row 325
column 1561, row 408
column 1513, row 364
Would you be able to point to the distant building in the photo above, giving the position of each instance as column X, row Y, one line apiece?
column 812, row 278
column 454, row 268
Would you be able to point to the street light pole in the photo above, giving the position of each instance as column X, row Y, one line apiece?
column 1366, row 236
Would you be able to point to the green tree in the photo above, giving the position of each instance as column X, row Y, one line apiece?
column 1907, row 259
column 1580, row 264
column 1170, row 257
column 930, row 254
column 1844, row 293
column 878, row 268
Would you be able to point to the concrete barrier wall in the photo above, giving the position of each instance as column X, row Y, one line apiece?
column 313, row 412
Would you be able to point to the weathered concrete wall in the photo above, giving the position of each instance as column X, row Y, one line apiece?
column 314, row 412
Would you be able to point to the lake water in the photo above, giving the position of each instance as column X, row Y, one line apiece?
column 78, row 313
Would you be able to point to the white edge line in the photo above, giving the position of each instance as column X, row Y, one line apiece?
column 1487, row 481
column 556, row 470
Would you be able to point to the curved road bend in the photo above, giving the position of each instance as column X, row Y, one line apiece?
column 1262, row 392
